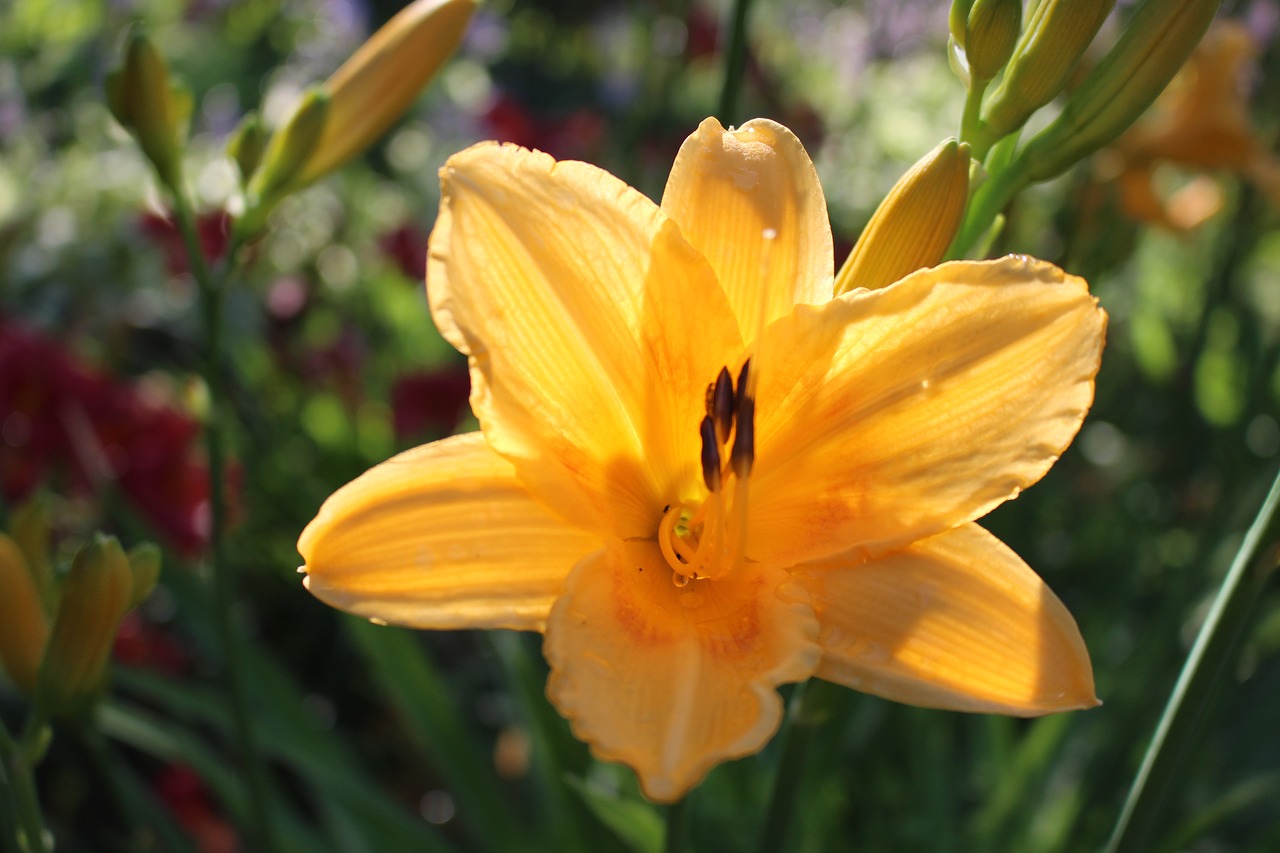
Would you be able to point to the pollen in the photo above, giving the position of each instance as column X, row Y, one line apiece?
column 707, row 539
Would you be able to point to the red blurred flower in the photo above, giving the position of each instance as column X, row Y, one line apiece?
column 143, row 644
column 213, row 229
column 56, row 414
column 183, row 791
column 575, row 136
column 429, row 403
column 407, row 246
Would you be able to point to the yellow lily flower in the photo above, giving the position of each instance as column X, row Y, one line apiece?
column 702, row 476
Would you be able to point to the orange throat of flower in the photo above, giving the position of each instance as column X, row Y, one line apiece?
column 707, row 540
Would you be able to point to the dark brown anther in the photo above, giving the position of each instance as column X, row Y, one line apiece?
column 743, row 375
column 710, row 455
column 743, row 454
column 722, row 405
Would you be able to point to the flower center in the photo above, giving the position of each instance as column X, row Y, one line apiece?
column 708, row 539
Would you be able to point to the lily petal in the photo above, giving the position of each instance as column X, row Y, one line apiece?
column 887, row 416
column 673, row 681
column 442, row 536
column 726, row 189
column 592, row 329
column 956, row 621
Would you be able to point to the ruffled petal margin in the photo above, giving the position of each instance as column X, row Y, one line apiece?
column 442, row 536
column 728, row 188
column 673, row 681
column 887, row 416
column 957, row 621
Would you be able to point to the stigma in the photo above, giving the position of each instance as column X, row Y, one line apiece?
column 707, row 540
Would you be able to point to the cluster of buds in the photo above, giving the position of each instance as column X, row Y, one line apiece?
column 340, row 118
column 335, row 120
column 1031, row 67
column 1156, row 41
column 56, row 633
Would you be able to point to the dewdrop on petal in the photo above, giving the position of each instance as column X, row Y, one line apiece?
column 914, row 225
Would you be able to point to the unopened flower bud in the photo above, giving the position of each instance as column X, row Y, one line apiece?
column 95, row 595
column 1157, row 41
column 144, row 562
column 1048, row 51
column 144, row 100
column 24, row 627
column 382, row 78
column 29, row 528
column 914, row 225
column 291, row 145
column 993, row 29
column 958, row 20
column 247, row 145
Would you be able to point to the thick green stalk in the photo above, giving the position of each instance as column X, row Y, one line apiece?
column 1200, row 682
column 211, row 304
column 988, row 201
column 676, row 839
column 18, row 763
column 735, row 62
column 810, row 707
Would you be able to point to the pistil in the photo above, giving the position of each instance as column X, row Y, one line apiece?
column 708, row 540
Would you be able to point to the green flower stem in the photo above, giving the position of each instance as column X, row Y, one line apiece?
column 988, row 201
column 811, row 703
column 211, row 303
column 17, row 761
column 971, row 127
column 1201, row 680
column 735, row 63
column 677, row 826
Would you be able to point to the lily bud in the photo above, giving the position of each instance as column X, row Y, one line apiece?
column 383, row 77
column 1158, row 40
column 914, row 225
column 29, row 527
column 958, row 21
column 24, row 627
column 144, row 562
column 1050, row 48
column 993, row 29
column 95, row 595
column 290, row 146
column 144, row 100
column 247, row 144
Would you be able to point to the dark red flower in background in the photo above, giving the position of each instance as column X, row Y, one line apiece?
column 407, row 247
column 429, row 403
column 58, row 416
column 213, row 229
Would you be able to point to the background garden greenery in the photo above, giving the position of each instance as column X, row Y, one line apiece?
column 381, row 739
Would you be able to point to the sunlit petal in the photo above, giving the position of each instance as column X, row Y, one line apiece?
column 888, row 416
column 592, row 328
column 956, row 621
column 673, row 681
column 727, row 189
column 442, row 536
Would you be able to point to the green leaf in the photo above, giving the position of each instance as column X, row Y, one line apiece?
column 637, row 825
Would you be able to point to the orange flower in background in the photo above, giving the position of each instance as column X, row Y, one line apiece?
column 1200, row 123
column 702, row 476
